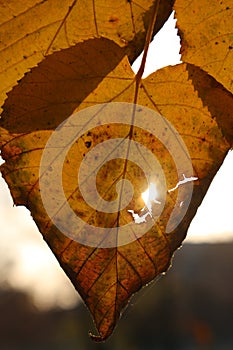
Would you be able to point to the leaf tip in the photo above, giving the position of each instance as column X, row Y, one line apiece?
column 96, row 338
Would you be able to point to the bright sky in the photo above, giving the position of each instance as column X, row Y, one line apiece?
column 27, row 263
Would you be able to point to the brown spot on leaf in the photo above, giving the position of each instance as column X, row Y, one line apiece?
column 113, row 19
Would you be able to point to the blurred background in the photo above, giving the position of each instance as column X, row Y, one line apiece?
column 191, row 308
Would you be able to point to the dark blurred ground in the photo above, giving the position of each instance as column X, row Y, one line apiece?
column 191, row 308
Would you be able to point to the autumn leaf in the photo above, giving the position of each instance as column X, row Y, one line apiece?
column 31, row 30
column 207, row 40
column 60, row 84
column 184, row 101
column 83, row 111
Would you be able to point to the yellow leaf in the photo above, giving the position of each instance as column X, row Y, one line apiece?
column 176, row 116
column 62, row 82
column 31, row 29
column 207, row 40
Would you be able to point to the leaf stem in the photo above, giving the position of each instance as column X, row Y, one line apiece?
column 138, row 78
column 140, row 72
column 147, row 42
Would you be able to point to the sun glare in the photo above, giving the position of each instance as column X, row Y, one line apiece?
column 150, row 195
